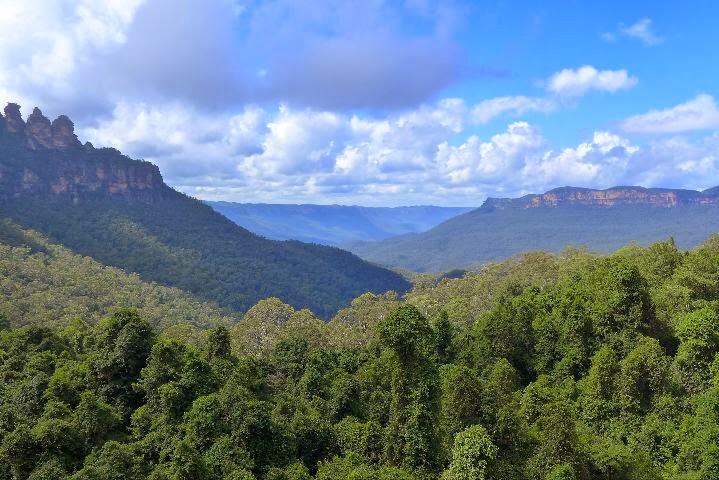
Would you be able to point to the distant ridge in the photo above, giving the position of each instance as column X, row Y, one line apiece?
column 610, row 197
column 102, row 204
column 602, row 220
column 333, row 224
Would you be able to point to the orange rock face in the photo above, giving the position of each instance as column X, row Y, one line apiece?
column 63, row 133
column 569, row 196
column 55, row 166
column 39, row 131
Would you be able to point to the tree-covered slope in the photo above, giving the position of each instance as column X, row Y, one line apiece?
column 46, row 284
column 544, row 367
column 118, row 211
column 333, row 224
column 502, row 228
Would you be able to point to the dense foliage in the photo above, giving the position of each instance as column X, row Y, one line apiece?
column 46, row 284
column 488, row 234
column 544, row 367
column 170, row 238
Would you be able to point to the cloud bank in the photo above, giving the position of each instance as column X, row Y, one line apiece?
column 303, row 155
column 86, row 56
column 333, row 101
column 700, row 113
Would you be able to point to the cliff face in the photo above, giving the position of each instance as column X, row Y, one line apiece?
column 616, row 196
column 46, row 161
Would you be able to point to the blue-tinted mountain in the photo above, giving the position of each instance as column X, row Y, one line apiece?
column 119, row 211
column 333, row 224
column 602, row 220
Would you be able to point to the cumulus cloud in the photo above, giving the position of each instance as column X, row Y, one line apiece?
column 59, row 37
column 700, row 113
column 602, row 161
column 487, row 162
column 235, row 102
column 190, row 146
column 427, row 155
column 218, row 54
column 641, row 30
column 576, row 82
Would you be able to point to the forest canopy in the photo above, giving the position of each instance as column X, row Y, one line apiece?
column 570, row 366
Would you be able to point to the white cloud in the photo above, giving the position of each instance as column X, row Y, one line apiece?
column 57, row 37
column 300, row 155
column 190, row 147
column 81, row 57
column 298, row 142
column 700, row 113
column 480, row 162
column 487, row 110
column 603, row 161
column 642, row 30
column 576, row 82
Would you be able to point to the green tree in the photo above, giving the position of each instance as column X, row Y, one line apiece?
column 122, row 346
column 642, row 377
column 412, row 435
column 698, row 333
column 471, row 454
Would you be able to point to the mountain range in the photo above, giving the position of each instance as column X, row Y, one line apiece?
column 333, row 224
column 102, row 204
column 601, row 220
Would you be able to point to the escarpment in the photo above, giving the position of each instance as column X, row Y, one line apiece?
column 47, row 161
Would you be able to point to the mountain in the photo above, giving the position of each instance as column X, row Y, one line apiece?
column 602, row 220
column 333, row 224
column 100, row 203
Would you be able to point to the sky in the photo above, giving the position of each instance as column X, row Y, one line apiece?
column 379, row 103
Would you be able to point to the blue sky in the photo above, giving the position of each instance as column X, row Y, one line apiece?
column 379, row 102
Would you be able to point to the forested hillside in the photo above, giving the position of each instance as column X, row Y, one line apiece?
column 544, row 367
column 43, row 284
column 602, row 220
column 119, row 211
column 333, row 224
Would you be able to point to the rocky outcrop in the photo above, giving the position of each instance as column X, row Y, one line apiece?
column 13, row 119
column 63, row 133
column 38, row 130
column 46, row 161
column 572, row 196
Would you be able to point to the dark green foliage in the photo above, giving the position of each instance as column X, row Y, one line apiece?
column 122, row 347
column 489, row 234
column 413, row 436
column 573, row 368
column 46, row 284
column 170, row 238
column 698, row 334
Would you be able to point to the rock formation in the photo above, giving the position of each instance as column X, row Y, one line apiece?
column 38, row 130
column 48, row 162
column 13, row 119
column 63, row 133
column 572, row 196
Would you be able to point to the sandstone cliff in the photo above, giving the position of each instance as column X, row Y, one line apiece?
column 615, row 196
column 45, row 160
